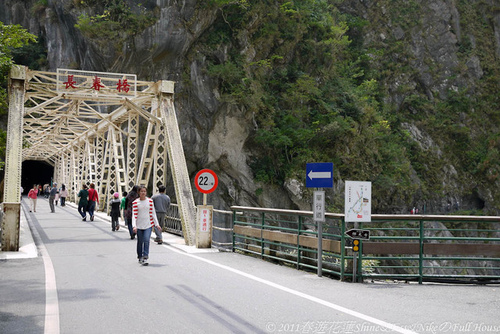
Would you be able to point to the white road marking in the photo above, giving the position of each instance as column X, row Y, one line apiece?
column 51, row 298
column 301, row 294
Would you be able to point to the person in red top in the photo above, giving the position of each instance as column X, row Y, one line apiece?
column 33, row 195
column 93, row 199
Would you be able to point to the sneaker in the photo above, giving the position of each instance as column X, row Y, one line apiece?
column 91, row 218
column 84, row 219
column 141, row 260
column 144, row 262
column 160, row 242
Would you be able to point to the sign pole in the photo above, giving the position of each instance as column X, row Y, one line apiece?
column 319, row 175
column 357, row 209
column 355, row 261
column 320, row 248
column 319, row 217
column 354, row 266
column 206, row 181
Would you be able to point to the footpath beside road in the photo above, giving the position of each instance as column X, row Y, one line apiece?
column 80, row 277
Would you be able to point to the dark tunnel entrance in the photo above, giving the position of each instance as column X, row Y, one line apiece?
column 35, row 172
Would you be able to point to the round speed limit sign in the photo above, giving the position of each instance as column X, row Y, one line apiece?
column 206, row 181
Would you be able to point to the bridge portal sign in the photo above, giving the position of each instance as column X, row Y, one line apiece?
column 319, row 175
column 96, row 84
column 358, row 198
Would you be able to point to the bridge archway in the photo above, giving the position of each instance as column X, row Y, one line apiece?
column 109, row 129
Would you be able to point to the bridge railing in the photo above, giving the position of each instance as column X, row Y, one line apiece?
column 222, row 230
column 173, row 222
column 409, row 247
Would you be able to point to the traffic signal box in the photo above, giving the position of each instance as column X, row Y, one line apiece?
column 355, row 245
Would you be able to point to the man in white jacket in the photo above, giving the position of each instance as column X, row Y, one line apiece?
column 143, row 220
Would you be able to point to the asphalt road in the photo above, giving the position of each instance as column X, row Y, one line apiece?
column 86, row 279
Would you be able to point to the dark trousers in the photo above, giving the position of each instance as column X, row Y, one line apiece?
column 63, row 201
column 51, row 203
column 143, row 237
column 128, row 221
column 91, row 208
column 82, row 209
column 114, row 220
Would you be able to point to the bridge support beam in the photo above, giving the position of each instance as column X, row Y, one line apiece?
column 180, row 174
column 13, row 160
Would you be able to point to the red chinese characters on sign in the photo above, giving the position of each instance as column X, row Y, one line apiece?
column 123, row 86
column 97, row 84
column 204, row 220
column 70, row 83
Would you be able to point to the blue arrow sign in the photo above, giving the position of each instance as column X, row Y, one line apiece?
column 319, row 175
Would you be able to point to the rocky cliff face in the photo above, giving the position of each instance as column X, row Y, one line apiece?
column 427, row 38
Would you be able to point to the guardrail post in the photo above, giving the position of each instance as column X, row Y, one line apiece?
column 342, row 249
column 232, row 223
column 421, row 253
column 263, row 222
column 360, row 257
column 298, row 241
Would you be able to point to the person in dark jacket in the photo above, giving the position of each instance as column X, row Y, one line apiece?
column 52, row 197
column 132, row 196
column 83, row 202
column 115, row 212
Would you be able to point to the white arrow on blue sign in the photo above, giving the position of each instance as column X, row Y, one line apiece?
column 319, row 175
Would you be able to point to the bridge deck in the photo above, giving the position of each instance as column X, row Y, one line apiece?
column 87, row 280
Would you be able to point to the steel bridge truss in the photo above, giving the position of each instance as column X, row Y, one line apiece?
column 103, row 128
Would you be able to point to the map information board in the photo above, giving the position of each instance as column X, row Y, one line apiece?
column 358, row 201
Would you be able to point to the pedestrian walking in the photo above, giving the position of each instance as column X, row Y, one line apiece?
column 127, row 215
column 162, row 203
column 123, row 203
column 63, row 194
column 115, row 212
column 93, row 199
column 143, row 220
column 33, row 196
column 83, row 201
column 56, row 200
column 52, row 197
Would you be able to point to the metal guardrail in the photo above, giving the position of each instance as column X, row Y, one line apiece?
column 222, row 230
column 408, row 247
column 173, row 222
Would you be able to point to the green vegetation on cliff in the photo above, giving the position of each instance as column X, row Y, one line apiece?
column 312, row 93
column 319, row 92
column 407, row 101
column 113, row 21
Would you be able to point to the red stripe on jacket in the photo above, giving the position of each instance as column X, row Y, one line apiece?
column 135, row 210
